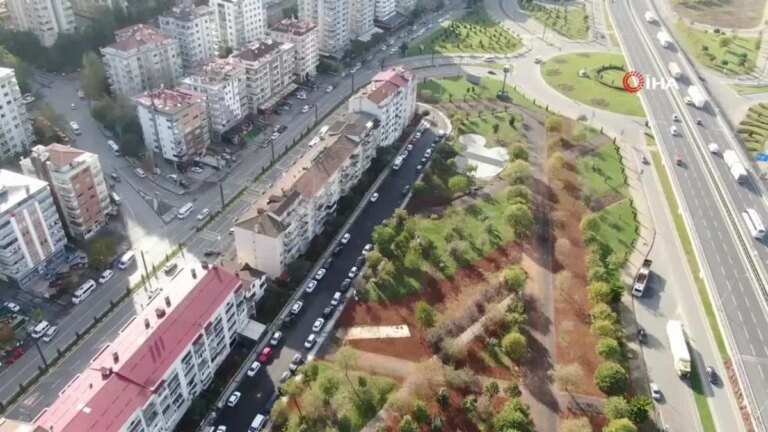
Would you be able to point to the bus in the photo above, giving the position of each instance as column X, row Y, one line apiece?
column 113, row 145
column 398, row 162
column 754, row 224
column 184, row 211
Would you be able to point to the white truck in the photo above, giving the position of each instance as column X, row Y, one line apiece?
column 674, row 70
column 737, row 169
column 664, row 39
column 650, row 17
column 696, row 96
column 679, row 348
column 638, row 286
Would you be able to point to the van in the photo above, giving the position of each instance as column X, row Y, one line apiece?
column 84, row 291
column 126, row 260
column 115, row 198
column 50, row 334
column 323, row 131
column 40, row 329
column 258, row 423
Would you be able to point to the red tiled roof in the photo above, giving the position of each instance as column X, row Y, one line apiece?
column 382, row 91
column 103, row 403
column 61, row 155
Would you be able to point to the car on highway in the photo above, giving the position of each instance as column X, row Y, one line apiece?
column 13, row 307
column 336, row 299
column 50, row 334
column 367, row 248
column 345, row 238
column 253, row 369
column 655, row 391
column 318, row 324
column 107, row 275
column 320, row 273
column 713, row 148
column 296, row 361
column 203, row 214
column 75, row 127
column 352, row 272
column 266, row 355
column 311, row 286
column 673, row 130
column 233, row 398
column 297, row 307
column 329, row 89
column 374, row 197
column 675, row 117
column 305, row 108
column 196, row 170
column 712, row 375
column 140, row 172
column 275, row 339
column 310, row 342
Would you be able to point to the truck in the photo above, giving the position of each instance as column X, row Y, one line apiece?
column 664, row 39
column 697, row 96
column 674, row 70
column 650, row 17
column 679, row 348
column 737, row 169
column 641, row 279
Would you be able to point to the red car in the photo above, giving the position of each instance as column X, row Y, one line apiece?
column 14, row 355
column 266, row 355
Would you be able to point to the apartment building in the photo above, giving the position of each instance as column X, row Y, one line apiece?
column 269, row 67
column 304, row 36
column 78, row 186
column 384, row 9
column 239, row 22
column 391, row 97
column 15, row 126
column 174, row 123
column 31, row 234
column 333, row 22
column 194, row 28
column 405, row 7
column 361, row 13
column 92, row 8
column 223, row 83
column 276, row 230
column 142, row 59
column 147, row 377
column 45, row 18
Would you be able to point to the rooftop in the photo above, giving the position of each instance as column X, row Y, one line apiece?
column 126, row 373
column 386, row 83
column 325, row 165
column 15, row 188
column 169, row 101
column 216, row 72
column 58, row 154
column 259, row 221
column 186, row 13
column 137, row 36
column 256, row 51
column 293, row 26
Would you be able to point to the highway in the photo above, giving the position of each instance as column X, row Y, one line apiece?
column 708, row 196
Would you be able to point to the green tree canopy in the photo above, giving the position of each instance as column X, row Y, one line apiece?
column 620, row 425
column 611, row 379
column 514, row 345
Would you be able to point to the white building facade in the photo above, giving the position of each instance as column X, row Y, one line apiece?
column 361, row 14
column 384, row 9
column 45, row 18
column 406, row 7
column 223, row 84
column 333, row 22
column 142, row 59
column 269, row 67
column 15, row 126
column 31, row 233
column 194, row 29
column 304, row 36
column 239, row 21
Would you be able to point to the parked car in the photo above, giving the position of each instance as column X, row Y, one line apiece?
column 406, row 190
column 311, row 286
column 329, row 89
column 337, row 250
column 310, row 342
column 296, row 361
column 50, row 334
column 712, row 375
column 360, row 261
column 140, row 172
column 352, row 272
column 255, row 366
column 345, row 238
column 328, row 263
column 320, row 273
column 328, row 311
column 233, row 398
column 275, row 339
column 196, row 170
column 14, row 355
column 266, row 355
column 284, row 377
column 409, row 147
column 336, row 299
column 287, row 321
column 13, row 307
column 655, row 391
column 374, row 197
column 274, row 135
column 367, row 248
column 345, row 284
column 203, row 214
column 107, row 275
column 318, row 324
column 297, row 307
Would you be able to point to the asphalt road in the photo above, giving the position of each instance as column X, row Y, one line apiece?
column 257, row 391
column 719, row 249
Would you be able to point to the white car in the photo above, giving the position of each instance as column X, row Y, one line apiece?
column 50, row 334
column 233, row 398
column 688, row 100
column 275, row 339
column 140, row 172
column 418, row 135
column 274, row 135
column 310, row 342
column 297, row 307
column 27, row 98
column 345, row 238
column 329, row 89
column 255, row 366
column 673, row 130
column 374, row 197
column 301, row 96
column 318, row 324
column 352, row 272
column 409, row 147
column 221, row 428
column 655, row 391
column 713, row 148
column 367, row 248
column 107, row 275
column 203, row 214
column 311, row 286
column 320, row 273
column 196, row 170
column 305, row 108
column 12, row 306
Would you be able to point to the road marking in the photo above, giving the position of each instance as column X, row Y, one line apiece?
column 760, row 334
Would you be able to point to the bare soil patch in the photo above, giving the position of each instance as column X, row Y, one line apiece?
column 730, row 14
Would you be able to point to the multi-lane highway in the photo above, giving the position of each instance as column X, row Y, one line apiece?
column 712, row 203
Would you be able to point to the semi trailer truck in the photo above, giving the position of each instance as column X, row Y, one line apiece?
column 679, row 348
column 697, row 96
column 664, row 39
column 737, row 169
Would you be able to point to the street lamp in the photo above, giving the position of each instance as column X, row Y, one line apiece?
column 503, row 92
column 315, row 106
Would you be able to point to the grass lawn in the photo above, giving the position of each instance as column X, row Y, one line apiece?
column 562, row 73
column 570, row 22
column 753, row 129
column 749, row 90
column 617, row 226
column 474, row 32
column 736, row 57
column 457, row 89
column 601, row 173
column 496, row 128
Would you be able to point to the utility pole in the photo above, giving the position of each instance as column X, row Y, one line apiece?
column 353, row 83
column 315, row 105
column 221, row 194
column 39, row 351
column 143, row 260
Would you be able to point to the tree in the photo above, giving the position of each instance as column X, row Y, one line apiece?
column 605, row 329
column 616, row 407
column 575, row 424
column 620, row 425
column 602, row 311
column 328, row 383
column 7, row 334
column 609, row 349
column 290, row 12
column 512, row 390
column 383, row 237
column 469, row 405
column 425, row 315
column 458, row 184
column 292, row 389
column 519, row 171
column 93, row 78
column 346, row 359
column 492, row 389
column 496, row 127
column 516, row 416
column 557, row 160
column 724, row 41
column 419, row 412
column 514, row 279
column 443, row 398
column 640, row 408
column 554, row 124
column 403, row 49
column 373, row 259
column 611, row 379
column 514, row 345
column 407, row 425
column 436, row 425
column 517, row 194
column 520, row 218
column 519, row 152
column 568, row 376
column 600, row 292
column 101, row 251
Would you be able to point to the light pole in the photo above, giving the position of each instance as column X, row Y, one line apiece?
column 315, row 106
column 40, row 351
column 353, row 83
column 503, row 94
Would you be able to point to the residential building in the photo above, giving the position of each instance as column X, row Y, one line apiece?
column 391, row 97
column 45, row 18
column 384, row 9
column 142, row 59
column 78, row 186
column 269, row 67
column 92, row 8
column 31, row 235
column 148, row 376
column 276, row 230
column 361, row 13
column 15, row 126
column 304, row 36
column 174, row 123
column 194, row 28
column 223, row 83
column 406, row 7
column 239, row 22
column 333, row 20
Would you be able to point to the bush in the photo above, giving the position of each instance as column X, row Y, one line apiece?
column 616, row 407
column 609, row 349
column 514, row 279
column 515, row 346
column 611, row 379
column 462, row 379
column 452, row 350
